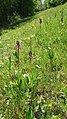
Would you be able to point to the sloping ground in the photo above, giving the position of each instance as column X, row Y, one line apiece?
column 38, row 87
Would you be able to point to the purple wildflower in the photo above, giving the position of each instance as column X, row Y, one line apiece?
column 30, row 54
column 17, row 47
column 40, row 21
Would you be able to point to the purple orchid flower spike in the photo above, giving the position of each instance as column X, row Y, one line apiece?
column 30, row 54
column 40, row 21
column 17, row 45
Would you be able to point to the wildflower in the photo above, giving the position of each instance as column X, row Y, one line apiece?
column 17, row 45
column 50, row 105
column 62, row 15
column 30, row 54
column 25, row 75
column 16, row 72
column 40, row 21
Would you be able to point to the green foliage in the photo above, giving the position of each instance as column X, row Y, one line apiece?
column 4, row 7
column 29, row 114
column 9, row 9
column 51, row 56
column 53, row 3
column 25, row 8
column 38, row 5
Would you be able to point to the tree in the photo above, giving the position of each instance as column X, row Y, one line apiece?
column 38, row 5
column 4, row 6
column 7, row 9
column 25, row 7
column 10, row 8
column 53, row 3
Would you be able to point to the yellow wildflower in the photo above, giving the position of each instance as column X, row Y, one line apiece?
column 50, row 105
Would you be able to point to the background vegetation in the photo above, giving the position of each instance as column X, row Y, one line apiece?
column 53, row 3
column 10, row 10
column 33, row 67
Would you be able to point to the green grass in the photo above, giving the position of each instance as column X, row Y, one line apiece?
column 37, row 88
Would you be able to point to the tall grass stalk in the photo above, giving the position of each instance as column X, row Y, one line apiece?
column 10, row 65
column 51, row 56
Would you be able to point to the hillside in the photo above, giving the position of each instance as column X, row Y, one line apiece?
column 33, row 74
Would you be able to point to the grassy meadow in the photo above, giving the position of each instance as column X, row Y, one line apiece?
column 33, row 75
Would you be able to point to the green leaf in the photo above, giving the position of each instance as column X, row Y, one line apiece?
column 29, row 114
